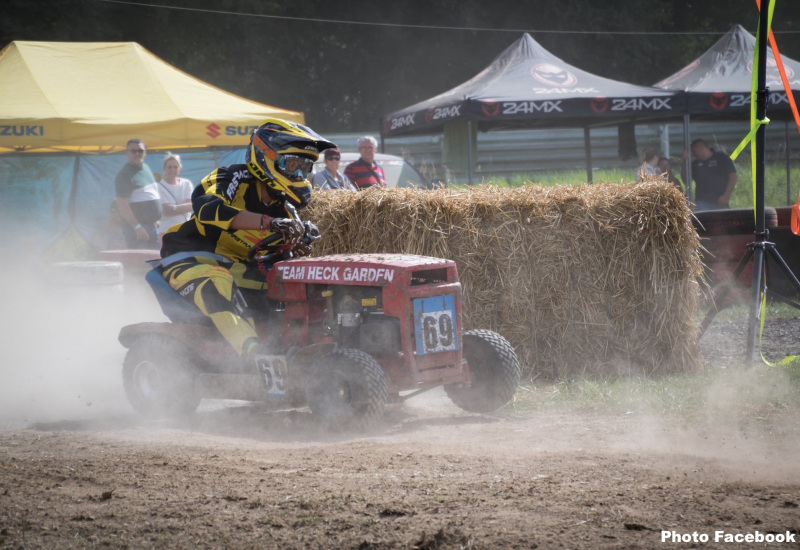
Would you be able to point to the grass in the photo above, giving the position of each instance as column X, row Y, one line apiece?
column 740, row 312
column 774, row 181
column 749, row 394
column 674, row 395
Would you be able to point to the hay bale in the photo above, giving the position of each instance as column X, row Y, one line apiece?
column 581, row 280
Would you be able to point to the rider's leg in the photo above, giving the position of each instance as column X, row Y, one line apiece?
column 210, row 287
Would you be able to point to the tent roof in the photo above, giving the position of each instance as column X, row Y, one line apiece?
column 97, row 95
column 527, row 85
column 719, row 81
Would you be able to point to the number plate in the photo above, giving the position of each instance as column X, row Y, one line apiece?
column 273, row 369
column 435, row 324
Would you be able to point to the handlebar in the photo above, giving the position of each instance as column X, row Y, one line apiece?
column 262, row 245
column 282, row 251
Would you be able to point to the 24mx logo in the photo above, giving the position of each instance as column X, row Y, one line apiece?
column 490, row 108
column 400, row 122
column 553, row 75
column 437, row 113
column 743, row 100
column 599, row 104
column 638, row 104
column 516, row 107
column 718, row 101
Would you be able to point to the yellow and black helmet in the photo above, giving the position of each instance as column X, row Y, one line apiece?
column 281, row 154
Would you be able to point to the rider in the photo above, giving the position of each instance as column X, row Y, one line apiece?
column 205, row 259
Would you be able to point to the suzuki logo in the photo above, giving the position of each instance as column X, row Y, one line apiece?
column 213, row 130
column 718, row 101
column 22, row 130
column 599, row 104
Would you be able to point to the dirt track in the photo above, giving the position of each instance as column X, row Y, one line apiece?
column 430, row 478
column 79, row 470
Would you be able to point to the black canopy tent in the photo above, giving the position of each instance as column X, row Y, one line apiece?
column 526, row 86
column 717, row 84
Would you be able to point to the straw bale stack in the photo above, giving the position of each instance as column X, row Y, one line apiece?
column 582, row 281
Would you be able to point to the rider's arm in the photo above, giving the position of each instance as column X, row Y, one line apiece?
column 250, row 220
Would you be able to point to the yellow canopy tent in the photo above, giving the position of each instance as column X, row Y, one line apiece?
column 91, row 97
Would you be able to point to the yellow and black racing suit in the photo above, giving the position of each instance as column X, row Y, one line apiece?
column 210, row 279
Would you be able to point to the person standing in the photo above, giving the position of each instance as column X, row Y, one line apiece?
column 138, row 202
column 665, row 169
column 175, row 192
column 330, row 178
column 365, row 172
column 648, row 166
column 714, row 175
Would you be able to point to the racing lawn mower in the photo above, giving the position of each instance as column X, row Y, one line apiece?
column 346, row 335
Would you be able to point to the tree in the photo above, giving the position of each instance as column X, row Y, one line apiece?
column 345, row 76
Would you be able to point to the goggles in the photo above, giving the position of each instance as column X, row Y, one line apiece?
column 294, row 167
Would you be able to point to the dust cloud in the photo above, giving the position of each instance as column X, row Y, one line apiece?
column 59, row 354
column 60, row 361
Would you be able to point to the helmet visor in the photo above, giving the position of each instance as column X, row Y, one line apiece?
column 294, row 167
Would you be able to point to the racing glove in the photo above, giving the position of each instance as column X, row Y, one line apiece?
column 302, row 249
column 292, row 230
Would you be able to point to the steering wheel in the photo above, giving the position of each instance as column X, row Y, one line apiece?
column 264, row 244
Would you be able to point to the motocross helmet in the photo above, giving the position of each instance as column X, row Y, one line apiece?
column 281, row 154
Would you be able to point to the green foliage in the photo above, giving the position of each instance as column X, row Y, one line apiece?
column 774, row 181
column 774, row 184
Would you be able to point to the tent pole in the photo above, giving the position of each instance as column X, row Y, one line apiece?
column 71, row 208
column 788, row 171
column 587, row 146
column 688, row 160
column 758, row 247
column 469, row 151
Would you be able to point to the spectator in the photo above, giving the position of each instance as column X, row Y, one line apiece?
column 365, row 172
column 665, row 168
column 138, row 202
column 649, row 164
column 714, row 175
column 175, row 192
column 330, row 177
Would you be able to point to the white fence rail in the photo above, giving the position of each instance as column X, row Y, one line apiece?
column 531, row 151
